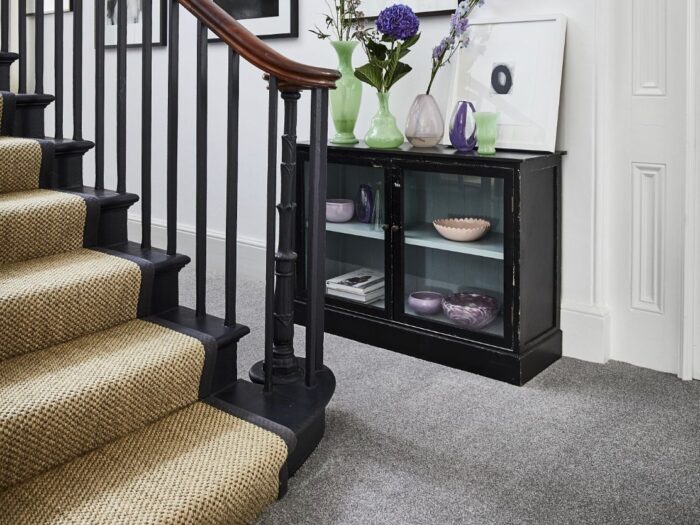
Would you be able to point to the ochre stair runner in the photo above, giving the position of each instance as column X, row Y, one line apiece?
column 99, row 414
column 198, row 466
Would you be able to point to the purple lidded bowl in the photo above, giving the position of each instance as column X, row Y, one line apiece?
column 425, row 303
column 471, row 310
column 340, row 210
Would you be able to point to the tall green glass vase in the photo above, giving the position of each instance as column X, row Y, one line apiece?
column 346, row 98
column 383, row 132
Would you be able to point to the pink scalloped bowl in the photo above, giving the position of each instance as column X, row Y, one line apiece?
column 462, row 230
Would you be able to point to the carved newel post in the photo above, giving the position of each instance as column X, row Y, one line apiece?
column 285, row 365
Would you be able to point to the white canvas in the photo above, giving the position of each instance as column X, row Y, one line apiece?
column 532, row 52
column 372, row 8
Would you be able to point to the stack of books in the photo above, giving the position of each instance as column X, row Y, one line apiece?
column 363, row 286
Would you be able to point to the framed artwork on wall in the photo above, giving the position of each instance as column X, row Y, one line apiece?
column 372, row 8
column 264, row 18
column 49, row 6
column 514, row 67
column 134, row 20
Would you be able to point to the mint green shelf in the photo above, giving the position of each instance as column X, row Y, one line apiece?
column 358, row 229
column 490, row 247
column 426, row 236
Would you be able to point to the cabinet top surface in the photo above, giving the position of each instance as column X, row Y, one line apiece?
column 443, row 152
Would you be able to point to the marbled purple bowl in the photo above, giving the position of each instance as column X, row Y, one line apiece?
column 471, row 310
column 340, row 210
column 425, row 303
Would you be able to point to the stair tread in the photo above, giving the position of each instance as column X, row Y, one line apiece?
column 33, row 99
column 53, row 299
column 198, row 466
column 73, row 397
column 57, row 218
column 159, row 258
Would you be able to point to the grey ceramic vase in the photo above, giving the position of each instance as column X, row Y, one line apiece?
column 425, row 126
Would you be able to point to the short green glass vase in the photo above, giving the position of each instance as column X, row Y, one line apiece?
column 346, row 98
column 486, row 132
column 383, row 132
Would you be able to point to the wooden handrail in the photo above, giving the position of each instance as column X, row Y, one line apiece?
column 289, row 73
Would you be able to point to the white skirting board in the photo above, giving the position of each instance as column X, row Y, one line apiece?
column 251, row 252
column 586, row 332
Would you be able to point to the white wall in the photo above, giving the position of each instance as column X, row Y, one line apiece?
column 589, row 97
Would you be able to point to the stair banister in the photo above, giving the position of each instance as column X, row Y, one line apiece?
column 290, row 74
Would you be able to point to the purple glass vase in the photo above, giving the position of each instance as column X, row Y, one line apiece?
column 463, row 127
column 365, row 204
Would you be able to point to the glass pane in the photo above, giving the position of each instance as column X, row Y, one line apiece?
column 355, row 270
column 456, row 283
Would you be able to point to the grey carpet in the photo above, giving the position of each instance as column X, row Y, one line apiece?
column 410, row 442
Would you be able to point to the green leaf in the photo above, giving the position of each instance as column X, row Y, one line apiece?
column 399, row 71
column 376, row 49
column 370, row 74
column 411, row 41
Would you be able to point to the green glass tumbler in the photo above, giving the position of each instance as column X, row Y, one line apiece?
column 486, row 132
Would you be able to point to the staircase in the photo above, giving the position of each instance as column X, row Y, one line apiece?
column 117, row 405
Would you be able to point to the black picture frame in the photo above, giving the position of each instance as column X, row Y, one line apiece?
column 160, row 38
column 292, row 32
column 70, row 8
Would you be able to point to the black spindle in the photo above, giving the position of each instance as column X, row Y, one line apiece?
column 270, row 253
column 22, row 44
column 317, row 233
column 232, row 186
column 201, row 212
column 39, row 46
column 58, row 69
column 5, row 25
column 173, row 53
column 99, row 95
column 146, row 123
column 77, row 69
column 121, row 96
column 286, row 365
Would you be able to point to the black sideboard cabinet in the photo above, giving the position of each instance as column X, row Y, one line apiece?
column 518, row 262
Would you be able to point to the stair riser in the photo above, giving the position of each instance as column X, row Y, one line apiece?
column 4, row 77
column 113, row 226
column 68, row 170
column 166, row 290
column 6, row 60
column 29, row 122
column 226, row 366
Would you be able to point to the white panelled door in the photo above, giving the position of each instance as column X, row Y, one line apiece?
column 646, row 192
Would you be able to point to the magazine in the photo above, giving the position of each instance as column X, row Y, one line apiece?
column 364, row 299
column 360, row 282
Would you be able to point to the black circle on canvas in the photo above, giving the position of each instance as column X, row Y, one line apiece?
column 502, row 79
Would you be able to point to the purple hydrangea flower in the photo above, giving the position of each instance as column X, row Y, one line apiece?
column 398, row 22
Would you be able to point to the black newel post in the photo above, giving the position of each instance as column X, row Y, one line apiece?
column 285, row 365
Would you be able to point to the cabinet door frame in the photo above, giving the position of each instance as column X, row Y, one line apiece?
column 509, row 273
column 300, row 241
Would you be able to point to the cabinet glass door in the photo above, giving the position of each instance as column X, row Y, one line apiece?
column 450, row 283
column 355, row 237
